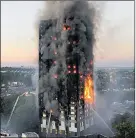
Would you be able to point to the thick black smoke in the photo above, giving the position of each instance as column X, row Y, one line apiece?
column 81, row 20
column 58, row 42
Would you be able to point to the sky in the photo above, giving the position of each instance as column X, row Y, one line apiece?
column 115, row 36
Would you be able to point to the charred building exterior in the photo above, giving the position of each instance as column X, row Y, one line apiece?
column 66, row 73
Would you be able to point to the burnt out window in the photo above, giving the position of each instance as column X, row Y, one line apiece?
column 75, row 125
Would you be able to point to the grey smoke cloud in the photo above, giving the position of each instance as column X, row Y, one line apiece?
column 86, row 18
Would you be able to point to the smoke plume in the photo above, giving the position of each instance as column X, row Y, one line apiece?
column 81, row 17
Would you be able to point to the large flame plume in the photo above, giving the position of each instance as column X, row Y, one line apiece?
column 89, row 90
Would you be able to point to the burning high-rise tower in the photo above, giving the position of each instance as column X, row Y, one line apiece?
column 66, row 71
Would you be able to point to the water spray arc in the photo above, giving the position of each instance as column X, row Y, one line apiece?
column 103, row 121
column 13, row 109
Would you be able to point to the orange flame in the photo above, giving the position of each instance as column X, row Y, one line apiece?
column 91, row 62
column 89, row 90
column 66, row 27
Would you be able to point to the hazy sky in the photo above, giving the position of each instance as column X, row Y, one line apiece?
column 19, row 44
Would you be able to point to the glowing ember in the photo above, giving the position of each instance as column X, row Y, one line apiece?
column 89, row 91
column 74, row 71
column 81, row 76
column 64, row 28
column 69, row 28
column 74, row 66
column 69, row 71
column 69, row 66
column 54, row 38
column 91, row 62
column 55, row 76
column 81, row 97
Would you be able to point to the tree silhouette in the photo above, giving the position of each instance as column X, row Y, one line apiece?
column 124, row 126
column 125, row 130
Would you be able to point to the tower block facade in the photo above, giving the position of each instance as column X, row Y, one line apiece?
column 63, row 81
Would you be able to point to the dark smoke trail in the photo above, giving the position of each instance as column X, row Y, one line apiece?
column 81, row 18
